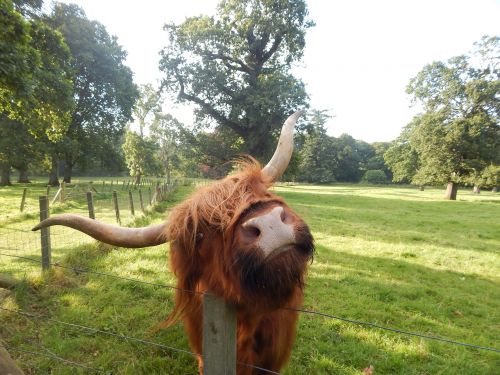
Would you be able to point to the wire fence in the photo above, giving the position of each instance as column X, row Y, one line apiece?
column 21, row 256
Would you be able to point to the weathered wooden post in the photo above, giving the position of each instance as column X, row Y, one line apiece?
column 7, row 364
column 131, row 200
column 90, row 205
column 117, row 210
column 141, row 201
column 45, row 233
column 61, row 194
column 23, row 200
column 219, row 336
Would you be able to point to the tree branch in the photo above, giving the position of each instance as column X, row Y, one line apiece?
column 226, row 59
column 207, row 107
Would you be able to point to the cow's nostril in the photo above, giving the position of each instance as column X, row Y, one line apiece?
column 254, row 231
column 251, row 229
column 283, row 216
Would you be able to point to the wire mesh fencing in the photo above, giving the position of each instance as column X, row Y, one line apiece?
column 23, row 249
column 119, row 202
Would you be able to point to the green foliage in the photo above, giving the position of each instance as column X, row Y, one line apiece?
column 457, row 135
column 104, row 91
column 490, row 177
column 375, row 176
column 235, row 67
column 36, row 87
column 166, row 132
column 318, row 160
column 18, row 58
column 148, row 106
column 140, row 155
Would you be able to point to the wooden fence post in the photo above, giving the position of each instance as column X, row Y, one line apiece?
column 131, row 200
column 90, row 205
column 45, row 233
column 141, row 201
column 23, row 200
column 61, row 195
column 117, row 210
column 7, row 364
column 149, row 195
column 219, row 336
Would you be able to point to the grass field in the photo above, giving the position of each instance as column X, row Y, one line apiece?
column 393, row 256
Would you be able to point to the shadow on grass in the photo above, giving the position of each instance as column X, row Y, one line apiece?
column 395, row 294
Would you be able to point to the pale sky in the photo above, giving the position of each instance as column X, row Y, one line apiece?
column 358, row 58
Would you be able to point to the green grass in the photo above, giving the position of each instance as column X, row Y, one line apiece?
column 392, row 256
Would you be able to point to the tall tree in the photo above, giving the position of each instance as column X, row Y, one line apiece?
column 166, row 130
column 458, row 133
column 235, row 67
column 104, row 91
column 41, row 113
column 18, row 59
column 139, row 155
column 148, row 106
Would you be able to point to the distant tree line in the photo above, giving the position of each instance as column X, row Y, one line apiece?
column 67, row 102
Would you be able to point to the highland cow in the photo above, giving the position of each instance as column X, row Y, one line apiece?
column 238, row 240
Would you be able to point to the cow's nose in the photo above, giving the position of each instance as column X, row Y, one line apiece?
column 271, row 230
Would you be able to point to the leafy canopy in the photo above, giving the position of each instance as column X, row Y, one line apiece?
column 458, row 133
column 235, row 68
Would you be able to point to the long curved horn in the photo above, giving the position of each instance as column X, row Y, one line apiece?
column 110, row 234
column 279, row 162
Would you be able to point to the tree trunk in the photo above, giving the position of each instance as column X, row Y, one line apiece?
column 68, row 171
column 23, row 176
column 167, row 169
column 476, row 190
column 53, row 177
column 137, row 179
column 421, row 188
column 451, row 191
column 494, row 190
column 5, row 179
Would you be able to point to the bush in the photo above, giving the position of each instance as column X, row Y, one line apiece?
column 375, row 176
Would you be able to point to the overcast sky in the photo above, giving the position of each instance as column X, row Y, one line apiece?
column 358, row 58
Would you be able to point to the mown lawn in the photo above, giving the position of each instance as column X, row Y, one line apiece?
column 396, row 257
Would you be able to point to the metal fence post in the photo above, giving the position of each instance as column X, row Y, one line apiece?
column 45, row 233
column 219, row 336
column 117, row 210
column 90, row 205
column 23, row 200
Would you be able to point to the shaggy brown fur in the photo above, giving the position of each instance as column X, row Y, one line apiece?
column 208, row 255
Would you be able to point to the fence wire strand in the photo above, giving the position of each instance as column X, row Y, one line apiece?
column 97, row 330
column 92, row 272
column 66, row 361
column 421, row 335
column 103, row 204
